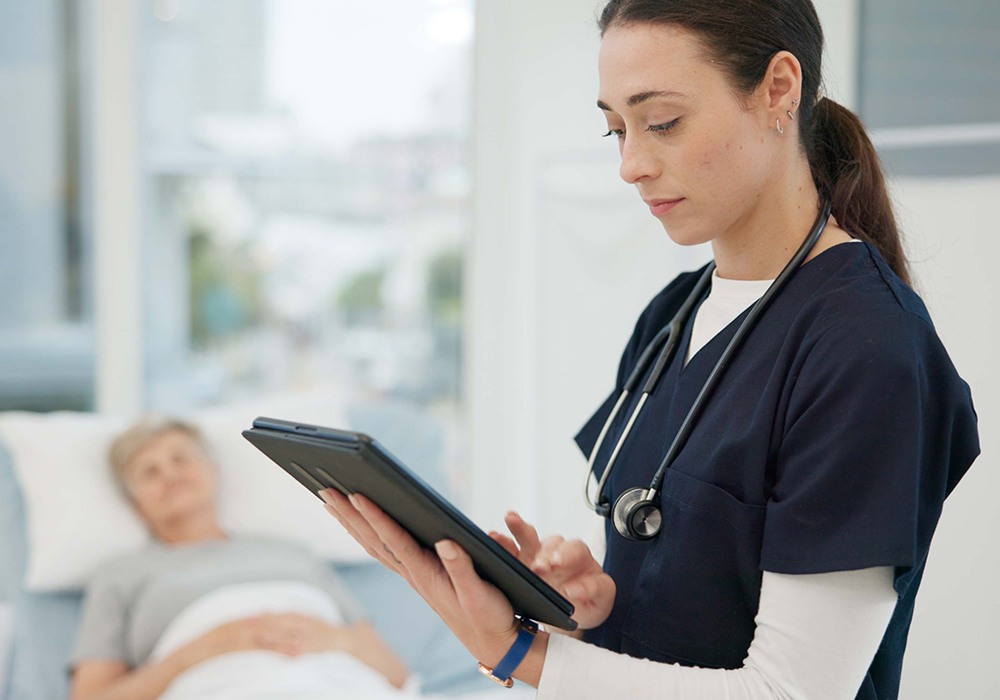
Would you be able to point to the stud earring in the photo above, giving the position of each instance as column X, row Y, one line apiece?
column 790, row 115
column 778, row 122
column 794, row 102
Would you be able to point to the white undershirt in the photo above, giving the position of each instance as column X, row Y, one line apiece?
column 816, row 634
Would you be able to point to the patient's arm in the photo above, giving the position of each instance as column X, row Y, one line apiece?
column 112, row 680
column 368, row 646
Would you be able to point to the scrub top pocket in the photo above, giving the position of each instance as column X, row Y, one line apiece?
column 698, row 588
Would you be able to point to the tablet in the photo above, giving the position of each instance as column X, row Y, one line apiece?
column 321, row 458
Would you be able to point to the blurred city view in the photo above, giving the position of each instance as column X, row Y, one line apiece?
column 305, row 200
column 309, row 182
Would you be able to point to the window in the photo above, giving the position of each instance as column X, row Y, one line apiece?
column 308, row 196
column 46, row 328
column 929, row 88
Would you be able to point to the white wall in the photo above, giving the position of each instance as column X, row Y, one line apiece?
column 953, row 243
column 565, row 256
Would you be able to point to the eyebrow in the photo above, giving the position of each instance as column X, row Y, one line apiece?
column 640, row 97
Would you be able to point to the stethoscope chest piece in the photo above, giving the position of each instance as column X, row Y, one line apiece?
column 636, row 515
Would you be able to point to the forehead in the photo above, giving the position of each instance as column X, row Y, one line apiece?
column 168, row 441
column 651, row 57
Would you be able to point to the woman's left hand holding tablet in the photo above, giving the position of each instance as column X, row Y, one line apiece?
column 476, row 611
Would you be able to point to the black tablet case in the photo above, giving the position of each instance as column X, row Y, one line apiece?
column 320, row 458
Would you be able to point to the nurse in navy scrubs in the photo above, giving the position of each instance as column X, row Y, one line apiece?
column 797, row 517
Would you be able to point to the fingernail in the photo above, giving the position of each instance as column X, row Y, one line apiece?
column 511, row 512
column 353, row 498
column 325, row 495
column 446, row 549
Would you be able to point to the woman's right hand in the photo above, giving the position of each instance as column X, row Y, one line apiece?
column 566, row 565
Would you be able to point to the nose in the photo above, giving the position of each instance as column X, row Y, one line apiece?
column 637, row 162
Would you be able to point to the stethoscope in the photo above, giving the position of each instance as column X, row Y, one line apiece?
column 636, row 513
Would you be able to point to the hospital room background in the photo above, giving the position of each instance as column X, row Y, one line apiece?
column 399, row 217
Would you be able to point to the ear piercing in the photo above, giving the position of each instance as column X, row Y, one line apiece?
column 790, row 116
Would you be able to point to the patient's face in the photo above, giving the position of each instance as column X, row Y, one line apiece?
column 171, row 478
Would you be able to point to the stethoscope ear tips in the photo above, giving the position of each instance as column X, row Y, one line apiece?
column 636, row 516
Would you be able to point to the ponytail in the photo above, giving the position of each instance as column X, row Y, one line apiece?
column 846, row 166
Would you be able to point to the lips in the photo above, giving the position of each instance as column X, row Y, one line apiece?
column 659, row 207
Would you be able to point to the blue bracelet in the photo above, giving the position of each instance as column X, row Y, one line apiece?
column 512, row 659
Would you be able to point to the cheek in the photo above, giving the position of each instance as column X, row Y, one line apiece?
column 207, row 476
column 146, row 498
column 718, row 158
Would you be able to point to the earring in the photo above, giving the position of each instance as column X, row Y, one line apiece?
column 794, row 102
column 778, row 122
column 790, row 115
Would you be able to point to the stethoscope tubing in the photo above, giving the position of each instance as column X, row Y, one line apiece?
column 662, row 345
column 669, row 337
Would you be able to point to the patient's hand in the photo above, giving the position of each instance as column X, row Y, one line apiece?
column 566, row 565
column 269, row 632
column 296, row 634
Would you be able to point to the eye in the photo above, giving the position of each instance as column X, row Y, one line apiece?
column 663, row 127
column 660, row 128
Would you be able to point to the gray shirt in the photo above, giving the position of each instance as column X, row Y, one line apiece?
column 130, row 603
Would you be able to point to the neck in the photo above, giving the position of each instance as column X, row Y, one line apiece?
column 759, row 245
column 198, row 526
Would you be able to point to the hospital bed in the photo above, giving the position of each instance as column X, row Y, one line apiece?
column 44, row 623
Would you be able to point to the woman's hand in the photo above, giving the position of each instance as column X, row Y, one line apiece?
column 476, row 611
column 566, row 565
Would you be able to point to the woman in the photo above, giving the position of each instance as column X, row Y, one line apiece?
column 797, row 517
column 153, row 617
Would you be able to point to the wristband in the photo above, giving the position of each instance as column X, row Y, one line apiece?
column 512, row 659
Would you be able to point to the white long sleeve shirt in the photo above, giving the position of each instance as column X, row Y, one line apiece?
column 816, row 634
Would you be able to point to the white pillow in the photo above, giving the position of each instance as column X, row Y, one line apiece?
column 77, row 519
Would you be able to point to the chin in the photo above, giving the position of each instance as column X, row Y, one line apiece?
column 685, row 237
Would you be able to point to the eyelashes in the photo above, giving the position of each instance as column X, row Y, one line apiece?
column 659, row 128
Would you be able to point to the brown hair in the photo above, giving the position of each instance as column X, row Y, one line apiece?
column 128, row 444
column 742, row 36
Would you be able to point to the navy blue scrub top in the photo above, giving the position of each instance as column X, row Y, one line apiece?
column 830, row 444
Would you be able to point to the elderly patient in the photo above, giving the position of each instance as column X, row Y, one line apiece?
column 206, row 614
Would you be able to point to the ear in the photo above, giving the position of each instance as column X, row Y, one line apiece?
column 781, row 85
